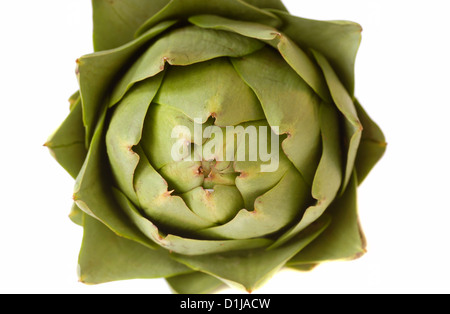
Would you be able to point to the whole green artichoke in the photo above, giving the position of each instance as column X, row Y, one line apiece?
column 215, row 142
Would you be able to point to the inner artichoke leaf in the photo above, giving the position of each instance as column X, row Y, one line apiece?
column 97, row 72
column 236, row 9
column 93, row 191
column 67, row 144
column 181, row 245
column 293, row 54
column 273, row 211
column 170, row 136
column 329, row 175
column 344, row 102
column 168, row 212
column 184, row 46
column 338, row 41
column 288, row 103
column 218, row 206
column 125, row 130
column 106, row 257
column 183, row 176
column 255, row 266
column 263, row 163
column 199, row 92
column 343, row 239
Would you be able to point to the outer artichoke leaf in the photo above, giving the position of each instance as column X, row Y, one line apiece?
column 199, row 92
column 372, row 146
column 195, row 283
column 115, row 22
column 194, row 247
column 328, row 178
column 184, row 46
column 338, row 41
column 273, row 211
column 136, row 217
column 76, row 215
column 237, row 9
column 106, row 257
column 73, row 99
column 303, row 267
column 369, row 153
column 67, row 144
column 168, row 212
column 93, row 190
column 302, row 64
column 98, row 71
column 249, row 269
column 293, row 55
column 344, row 102
column 289, row 103
column 125, row 130
column 244, row 28
column 343, row 239
column 181, row 245
column 267, row 4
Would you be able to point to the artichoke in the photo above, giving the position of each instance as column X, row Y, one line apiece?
column 214, row 143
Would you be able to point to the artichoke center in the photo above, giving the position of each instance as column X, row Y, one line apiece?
column 217, row 173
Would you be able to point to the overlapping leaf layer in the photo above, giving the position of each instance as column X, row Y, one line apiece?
column 209, row 221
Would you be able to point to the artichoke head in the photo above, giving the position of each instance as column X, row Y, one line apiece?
column 215, row 143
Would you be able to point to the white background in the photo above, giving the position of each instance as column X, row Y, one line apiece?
column 403, row 82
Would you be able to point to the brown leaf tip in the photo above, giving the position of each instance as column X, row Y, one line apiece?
column 243, row 175
column 168, row 193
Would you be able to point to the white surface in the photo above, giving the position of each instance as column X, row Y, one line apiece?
column 402, row 81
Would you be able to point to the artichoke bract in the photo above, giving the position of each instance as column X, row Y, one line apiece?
column 214, row 143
